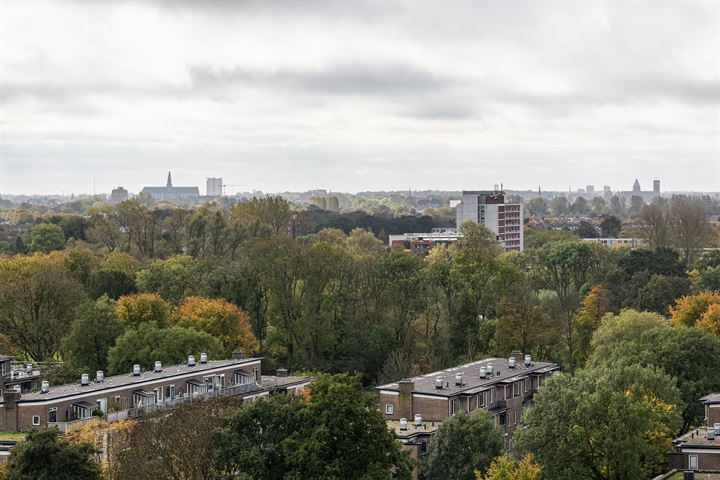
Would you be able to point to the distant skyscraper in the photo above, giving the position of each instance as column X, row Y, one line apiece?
column 214, row 187
column 118, row 194
column 489, row 209
column 656, row 186
column 590, row 188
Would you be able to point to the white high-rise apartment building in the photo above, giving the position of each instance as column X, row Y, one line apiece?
column 214, row 187
column 488, row 208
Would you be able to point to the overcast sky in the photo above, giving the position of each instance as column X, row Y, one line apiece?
column 354, row 96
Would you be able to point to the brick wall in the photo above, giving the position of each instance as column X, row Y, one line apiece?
column 431, row 409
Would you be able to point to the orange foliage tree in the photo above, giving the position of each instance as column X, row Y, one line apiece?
column 135, row 310
column 221, row 319
column 701, row 310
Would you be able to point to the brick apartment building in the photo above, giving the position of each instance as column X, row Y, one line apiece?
column 699, row 449
column 414, row 406
column 132, row 394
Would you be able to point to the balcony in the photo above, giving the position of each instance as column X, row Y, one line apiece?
column 169, row 404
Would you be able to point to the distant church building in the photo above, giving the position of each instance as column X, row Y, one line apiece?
column 170, row 193
column 646, row 195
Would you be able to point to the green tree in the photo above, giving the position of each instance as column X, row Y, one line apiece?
column 602, row 424
column 113, row 283
column 45, row 455
column 173, row 278
column 625, row 326
column 38, row 299
column 171, row 346
column 660, row 292
column 586, row 230
column 566, row 269
column 46, row 237
column 92, row 334
column 336, row 434
column 689, row 355
column 610, row 226
column 463, row 444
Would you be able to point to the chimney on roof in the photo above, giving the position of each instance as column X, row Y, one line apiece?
column 85, row 379
column 281, row 372
column 203, row 357
column 191, row 360
column 238, row 354
column 405, row 402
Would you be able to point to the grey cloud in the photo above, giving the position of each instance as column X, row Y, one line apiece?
column 344, row 78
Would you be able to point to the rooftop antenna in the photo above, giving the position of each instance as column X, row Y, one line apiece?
column 93, row 186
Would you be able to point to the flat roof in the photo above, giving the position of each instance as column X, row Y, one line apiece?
column 427, row 428
column 128, row 380
column 472, row 383
column 697, row 438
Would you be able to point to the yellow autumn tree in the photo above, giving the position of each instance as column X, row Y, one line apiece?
column 506, row 467
column 691, row 308
column 221, row 319
column 588, row 317
column 135, row 310
column 108, row 438
column 710, row 320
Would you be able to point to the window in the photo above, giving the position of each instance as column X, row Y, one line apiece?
column 525, row 384
column 693, row 462
column 423, row 447
column 158, row 394
column 172, row 391
column 389, row 409
column 453, row 406
column 481, row 399
column 36, row 420
column 492, row 395
column 52, row 415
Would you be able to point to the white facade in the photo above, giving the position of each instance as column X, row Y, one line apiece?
column 214, row 187
column 489, row 209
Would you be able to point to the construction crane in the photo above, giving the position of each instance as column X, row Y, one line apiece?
column 233, row 185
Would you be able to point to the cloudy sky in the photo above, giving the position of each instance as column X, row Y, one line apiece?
column 354, row 96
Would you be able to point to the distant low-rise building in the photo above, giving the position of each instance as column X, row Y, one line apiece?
column 119, row 194
column 422, row 243
column 171, row 193
column 617, row 242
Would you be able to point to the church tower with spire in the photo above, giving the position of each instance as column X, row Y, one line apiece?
column 169, row 181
